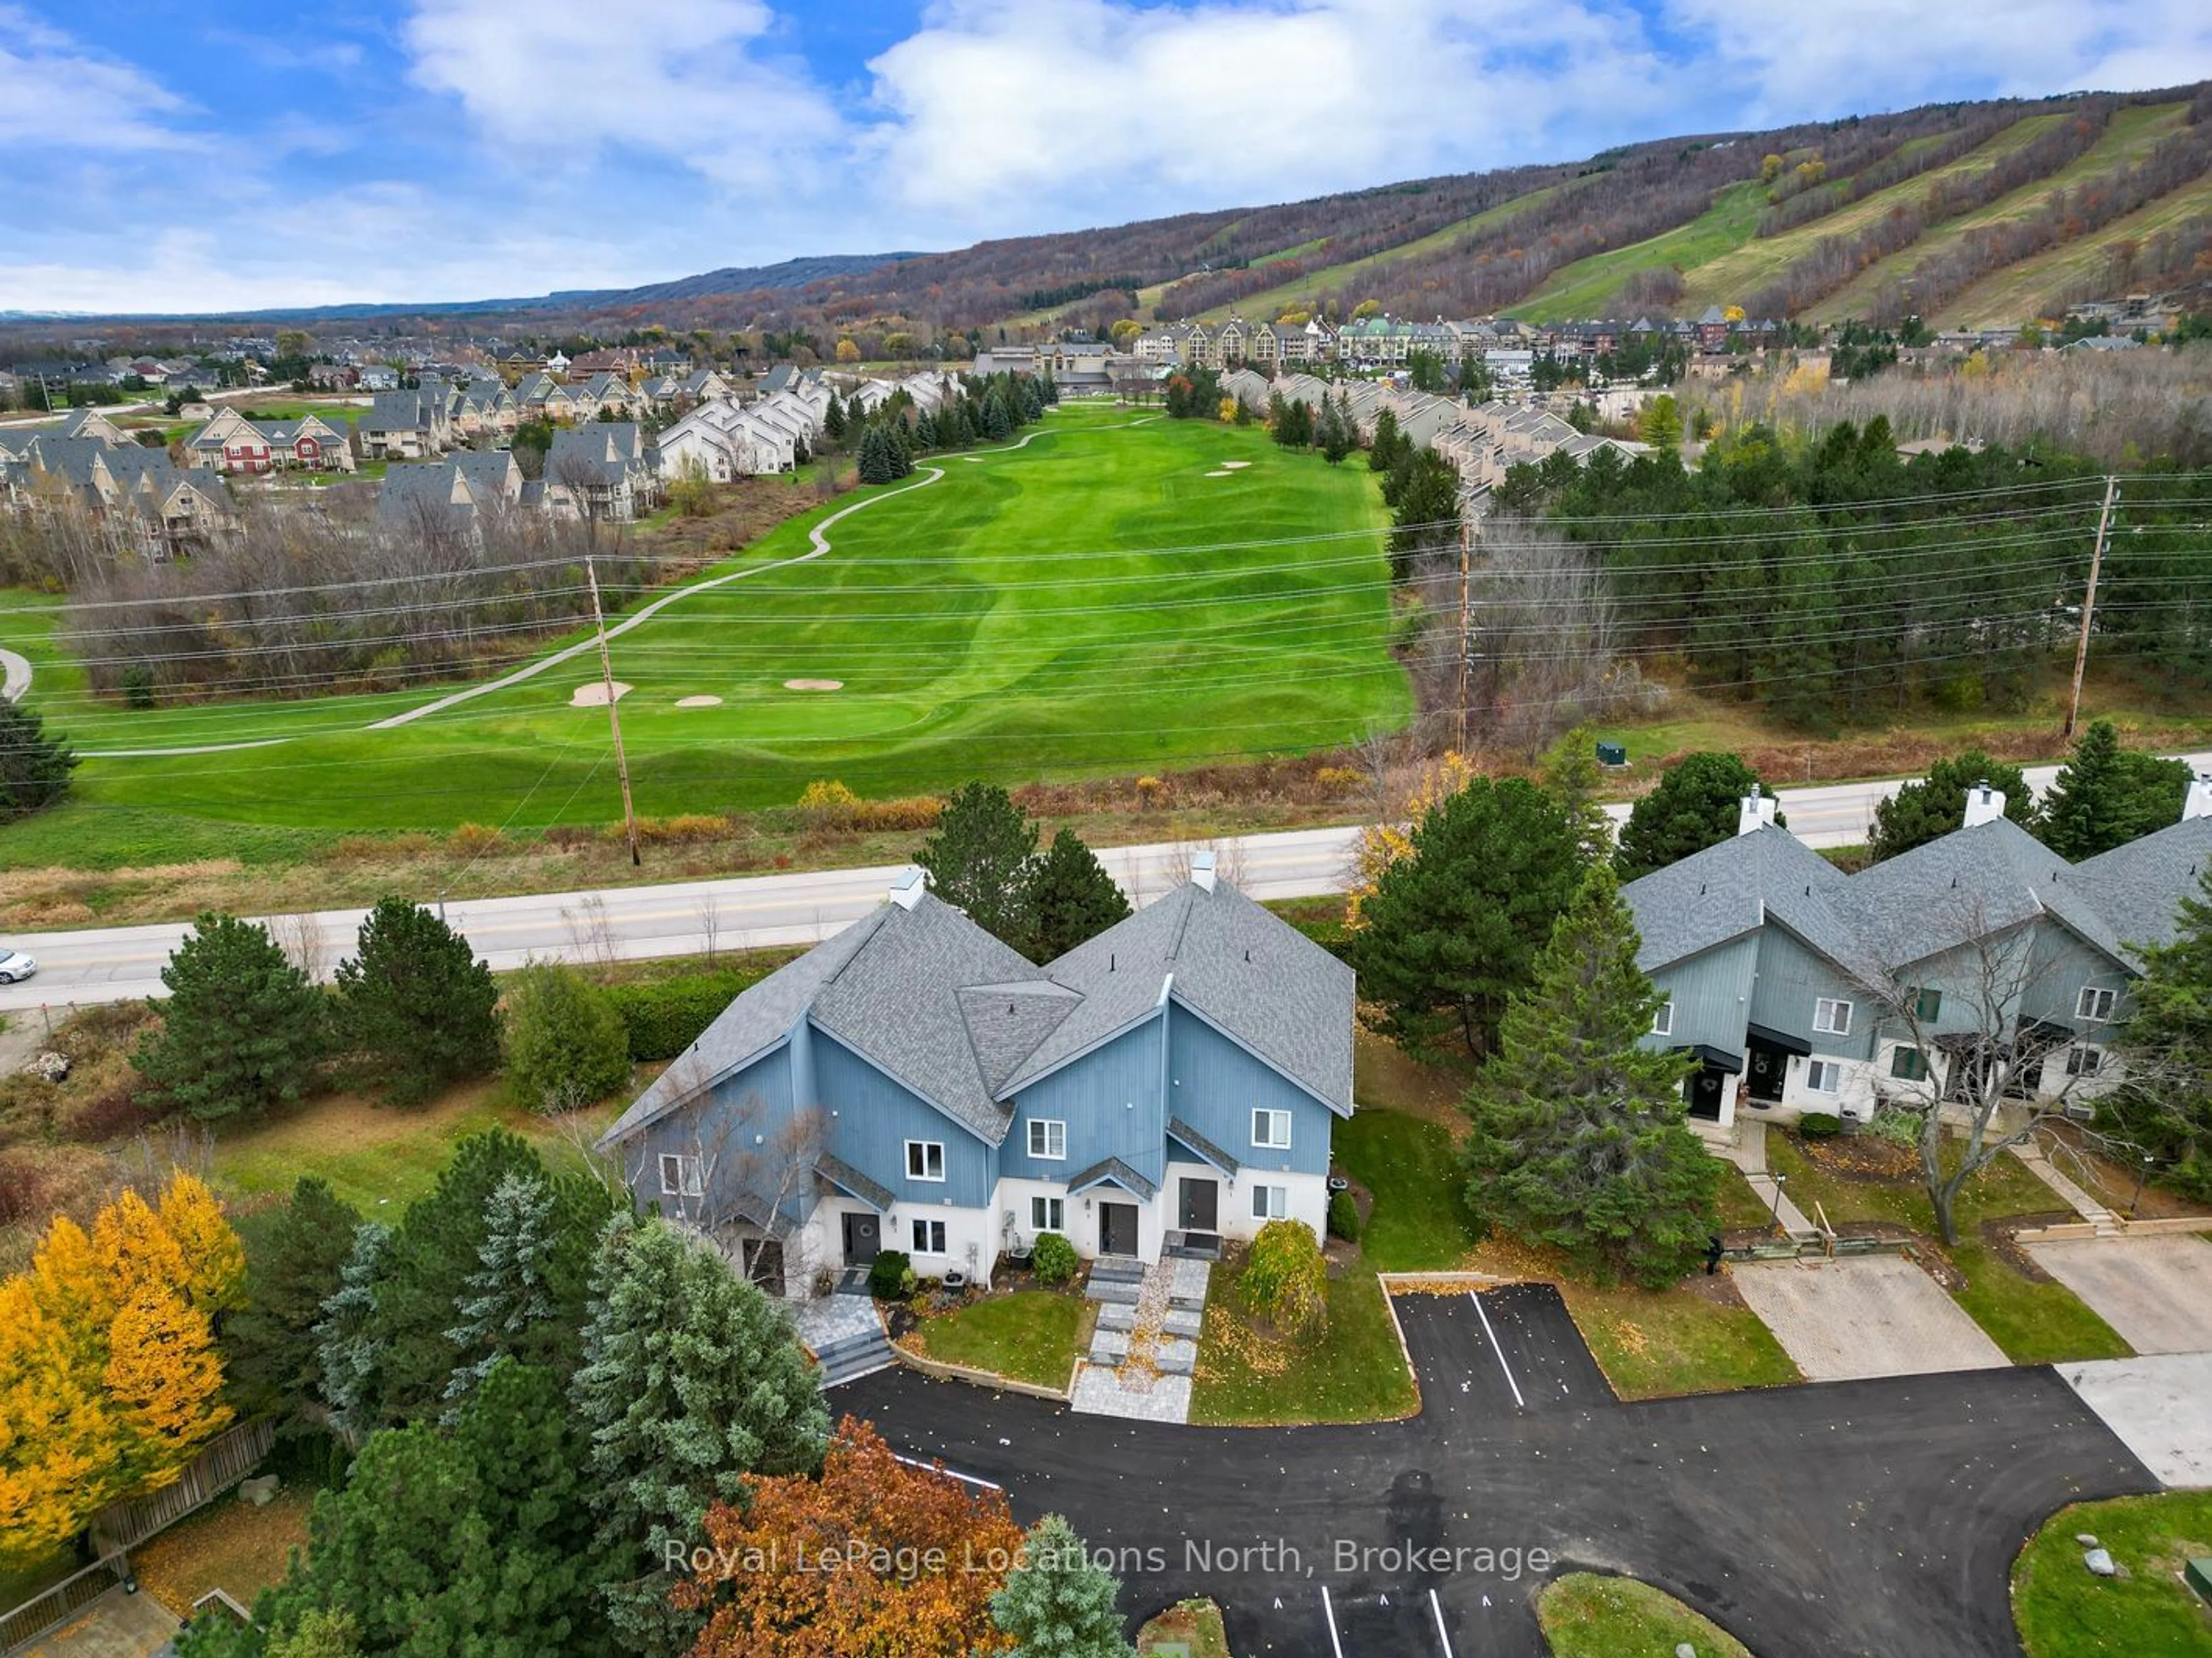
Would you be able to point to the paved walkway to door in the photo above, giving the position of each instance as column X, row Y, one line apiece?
column 1864, row 1315
column 1749, row 1153
column 2156, row 1292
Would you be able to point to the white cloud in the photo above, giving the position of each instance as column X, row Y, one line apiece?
column 57, row 91
column 684, row 78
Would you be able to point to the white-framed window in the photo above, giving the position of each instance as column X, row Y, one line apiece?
column 2095, row 1003
column 681, row 1177
column 1824, row 1076
column 1831, row 1017
column 1047, row 1215
column 924, row 1160
column 1048, row 1138
column 1272, row 1129
column 929, row 1237
column 1270, row 1202
column 2083, row 1060
column 1662, row 1022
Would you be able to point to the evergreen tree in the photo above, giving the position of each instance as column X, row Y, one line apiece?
column 415, row 1008
column 1932, row 808
column 1383, row 454
column 925, row 431
column 242, row 1028
column 1578, row 1138
column 2106, row 796
column 998, row 416
column 2165, row 1103
column 1453, row 926
column 692, row 1378
column 34, row 767
column 1071, row 898
column 981, row 858
column 508, row 1299
column 295, row 1263
column 1697, row 804
column 566, row 1045
column 1056, row 1603
column 345, row 1347
column 876, row 464
column 1425, row 509
column 833, row 422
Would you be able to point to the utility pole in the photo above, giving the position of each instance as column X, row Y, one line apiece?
column 614, row 713
column 2089, row 602
column 1466, row 630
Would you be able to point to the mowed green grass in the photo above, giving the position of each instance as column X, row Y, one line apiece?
column 1586, row 288
column 1068, row 609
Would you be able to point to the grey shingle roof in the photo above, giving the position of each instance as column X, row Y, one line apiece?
column 851, row 1181
column 1113, row 1168
column 1727, row 890
column 1970, row 882
column 1178, row 1129
column 1006, row 1022
column 2139, row 887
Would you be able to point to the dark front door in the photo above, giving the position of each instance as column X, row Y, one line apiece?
column 863, row 1238
column 1200, row 1210
column 1117, row 1229
column 1707, row 1089
column 1768, row 1069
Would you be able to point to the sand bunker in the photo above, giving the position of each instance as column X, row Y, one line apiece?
column 814, row 684
column 698, row 701
column 1221, row 475
column 1236, row 465
column 594, row 695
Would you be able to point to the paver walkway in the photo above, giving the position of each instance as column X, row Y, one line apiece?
column 1749, row 1153
column 2106, row 1222
column 1145, row 1352
column 1864, row 1315
column 2156, row 1291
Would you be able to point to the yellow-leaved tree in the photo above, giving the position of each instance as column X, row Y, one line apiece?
column 110, row 1382
column 1382, row 844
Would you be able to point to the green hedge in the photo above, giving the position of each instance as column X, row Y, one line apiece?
column 665, row 1017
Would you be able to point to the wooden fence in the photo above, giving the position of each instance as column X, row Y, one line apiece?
column 229, row 1458
column 43, row 1613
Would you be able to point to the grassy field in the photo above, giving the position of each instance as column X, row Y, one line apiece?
column 1585, row 287
column 1032, row 1335
column 2132, row 133
column 1356, row 1372
column 2035, row 1322
column 1066, row 610
column 1732, row 277
column 2066, row 1612
column 1418, row 1221
column 1585, row 1615
column 1697, row 1338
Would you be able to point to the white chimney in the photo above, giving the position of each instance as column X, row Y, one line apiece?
column 1983, row 805
column 1201, row 871
column 1754, row 811
column 2197, row 803
column 906, row 890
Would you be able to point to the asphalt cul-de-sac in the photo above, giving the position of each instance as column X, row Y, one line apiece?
column 1821, row 1522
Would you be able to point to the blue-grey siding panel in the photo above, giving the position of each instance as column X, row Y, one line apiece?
column 1791, row 978
column 871, row 1118
column 1109, row 1099
column 1712, row 993
column 2061, row 967
column 1215, row 1085
column 718, row 1130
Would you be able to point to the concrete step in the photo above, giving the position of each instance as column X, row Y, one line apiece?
column 1117, row 1316
column 1110, row 1347
column 1176, row 1357
column 1117, row 1291
column 850, row 1360
column 1117, row 1269
column 1185, row 1321
column 1186, row 1304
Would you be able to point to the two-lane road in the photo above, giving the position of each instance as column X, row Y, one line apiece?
column 104, row 964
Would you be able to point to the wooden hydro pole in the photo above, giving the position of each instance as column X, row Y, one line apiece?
column 614, row 713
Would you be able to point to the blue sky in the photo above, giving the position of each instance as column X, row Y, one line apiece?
column 443, row 150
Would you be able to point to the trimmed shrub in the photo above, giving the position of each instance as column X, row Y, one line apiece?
column 1052, row 1259
column 828, row 803
column 663, row 1018
column 1343, row 1217
column 565, row 1045
column 1820, row 1126
column 1286, row 1281
column 891, row 1276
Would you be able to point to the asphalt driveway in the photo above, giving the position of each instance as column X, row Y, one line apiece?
column 1823, row 1521
column 2156, row 1292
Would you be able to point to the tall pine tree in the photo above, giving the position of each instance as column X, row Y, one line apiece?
column 2106, row 796
column 1058, row 1603
column 241, row 1029
column 1071, row 898
column 981, row 858
column 416, row 1009
column 1578, row 1138
column 507, row 1303
column 296, row 1260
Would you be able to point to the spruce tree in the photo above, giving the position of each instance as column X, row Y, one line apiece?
column 1578, row 1139
column 295, row 1263
column 34, row 767
column 2164, row 1103
column 242, row 1028
column 1057, row 1603
column 345, row 1345
column 981, row 858
column 1697, row 804
column 692, row 1378
column 998, row 417
column 1071, row 898
column 416, row 1009
column 834, row 422
column 1932, row 808
column 508, row 1299
column 2106, row 796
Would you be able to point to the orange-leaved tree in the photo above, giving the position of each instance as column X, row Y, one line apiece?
column 1382, row 844
column 109, row 1378
column 874, row 1557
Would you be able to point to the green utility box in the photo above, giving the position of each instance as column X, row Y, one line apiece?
column 1612, row 753
column 2197, row 1574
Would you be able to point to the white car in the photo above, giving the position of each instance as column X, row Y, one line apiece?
column 15, row 966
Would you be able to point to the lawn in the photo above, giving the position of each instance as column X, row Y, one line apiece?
column 377, row 1155
column 229, row 1545
column 1195, row 1624
column 2064, row 1611
column 1031, row 1335
column 2034, row 1322
column 1356, row 1372
column 1065, row 610
column 1420, row 1222
column 1588, row 1616
column 1697, row 1338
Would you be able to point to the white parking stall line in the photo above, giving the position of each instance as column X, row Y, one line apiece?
column 1473, row 1296
column 949, row 1473
column 1438, row 1607
column 1328, row 1612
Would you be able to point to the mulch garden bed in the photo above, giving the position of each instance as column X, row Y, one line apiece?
column 1867, row 1158
column 2002, row 1238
